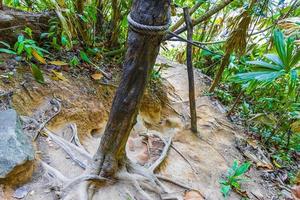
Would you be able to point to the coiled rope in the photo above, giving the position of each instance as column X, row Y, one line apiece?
column 147, row 29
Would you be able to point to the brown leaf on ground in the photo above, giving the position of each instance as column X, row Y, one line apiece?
column 97, row 76
column 262, row 165
column 193, row 195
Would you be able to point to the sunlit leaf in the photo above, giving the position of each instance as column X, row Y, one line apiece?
column 280, row 45
column 84, row 57
column 7, row 51
column 58, row 76
column 38, row 56
column 265, row 65
column 58, row 63
column 275, row 59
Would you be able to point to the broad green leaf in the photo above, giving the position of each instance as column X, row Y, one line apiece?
column 259, row 76
column 84, row 57
column 8, row 51
column 280, row 46
column 242, row 169
column 20, row 48
column 274, row 58
column 37, row 74
column 265, row 65
column 225, row 189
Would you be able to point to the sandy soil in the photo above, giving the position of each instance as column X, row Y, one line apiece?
column 198, row 160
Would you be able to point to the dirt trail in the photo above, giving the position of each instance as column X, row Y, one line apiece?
column 196, row 160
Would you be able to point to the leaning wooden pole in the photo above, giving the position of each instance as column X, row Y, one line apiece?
column 148, row 22
column 189, row 63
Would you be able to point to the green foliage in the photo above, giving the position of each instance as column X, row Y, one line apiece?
column 74, row 61
column 30, row 48
column 274, row 84
column 284, row 64
column 37, row 73
column 234, row 177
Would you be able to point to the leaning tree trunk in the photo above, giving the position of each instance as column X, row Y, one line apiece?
column 140, row 58
column 12, row 22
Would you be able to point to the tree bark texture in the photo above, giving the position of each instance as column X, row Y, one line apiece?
column 12, row 22
column 189, row 61
column 139, row 61
column 204, row 17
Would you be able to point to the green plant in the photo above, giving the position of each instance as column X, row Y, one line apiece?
column 284, row 64
column 74, row 61
column 234, row 177
column 30, row 48
column 273, row 84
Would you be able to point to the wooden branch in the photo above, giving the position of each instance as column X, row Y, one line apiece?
column 192, row 42
column 224, row 63
column 181, row 20
column 189, row 64
column 204, row 17
column 237, row 100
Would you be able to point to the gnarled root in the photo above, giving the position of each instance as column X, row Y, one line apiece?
column 143, row 179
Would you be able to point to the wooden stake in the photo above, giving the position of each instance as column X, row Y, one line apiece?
column 189, row 63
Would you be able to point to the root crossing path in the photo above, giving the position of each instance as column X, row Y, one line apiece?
column 165, row 159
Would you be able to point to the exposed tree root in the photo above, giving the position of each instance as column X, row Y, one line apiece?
column 143, row 179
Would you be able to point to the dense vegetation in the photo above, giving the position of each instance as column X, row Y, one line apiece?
column 249, row 48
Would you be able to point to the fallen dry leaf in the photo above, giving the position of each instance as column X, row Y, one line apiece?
column 193, row 195
column 97, row 76
column 58, row 76
column 58, row 63
column 264, row 165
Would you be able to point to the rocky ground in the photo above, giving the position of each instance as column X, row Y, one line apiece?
column 76, row 108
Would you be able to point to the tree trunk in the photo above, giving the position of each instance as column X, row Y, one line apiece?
column 12, row 22
column 224, row 63
column 115, row 23
column 139, row 61
column 100, row 19
column 1, row 5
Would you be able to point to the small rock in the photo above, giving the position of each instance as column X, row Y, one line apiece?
column 21, row 193
column 16, row 150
